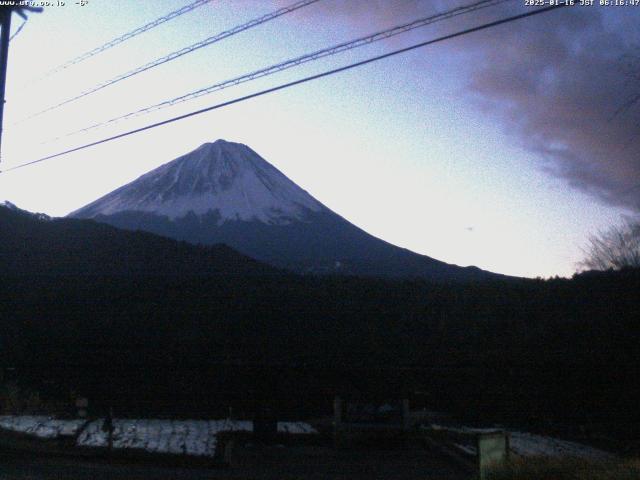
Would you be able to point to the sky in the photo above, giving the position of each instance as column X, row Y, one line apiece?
column 503, row 149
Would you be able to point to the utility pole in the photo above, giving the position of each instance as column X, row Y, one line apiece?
column 5, row 19
column 4, row 53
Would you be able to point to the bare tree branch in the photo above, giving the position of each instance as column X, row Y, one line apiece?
column 613, row 249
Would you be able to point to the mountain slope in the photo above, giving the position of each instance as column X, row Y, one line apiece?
column 37, row 244
column 224, row 192
column 230, row 178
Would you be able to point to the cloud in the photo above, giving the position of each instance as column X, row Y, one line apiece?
column 558, row 83
column 371, row 14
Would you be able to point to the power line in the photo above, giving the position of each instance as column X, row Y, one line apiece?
column 126, row 36
column 293, row 83
column 339, row 48
column 179, row 53
column 19, row 29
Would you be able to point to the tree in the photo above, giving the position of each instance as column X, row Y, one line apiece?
column 615, row 248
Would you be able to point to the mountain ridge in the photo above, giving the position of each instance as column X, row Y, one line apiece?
column 37, row 244
column 205, row 176
column 224, row 192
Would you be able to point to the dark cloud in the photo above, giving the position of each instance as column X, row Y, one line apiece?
column 370, row 13
column 558, row 82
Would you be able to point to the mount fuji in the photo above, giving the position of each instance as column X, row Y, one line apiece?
column 224, row 192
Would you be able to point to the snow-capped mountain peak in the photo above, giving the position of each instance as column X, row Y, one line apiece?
column 223, row 177
column 224, row 192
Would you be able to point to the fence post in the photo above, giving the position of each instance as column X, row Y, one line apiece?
column 493, row 450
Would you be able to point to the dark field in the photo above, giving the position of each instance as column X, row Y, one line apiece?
column 251, row 462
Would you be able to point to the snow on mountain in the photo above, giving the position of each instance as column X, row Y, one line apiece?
column 224, row 192
column 12, row 206
column 226, row 177
column 9, row 205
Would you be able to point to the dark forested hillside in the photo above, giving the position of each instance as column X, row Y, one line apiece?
column 562, row 351
column 186, row 342
column 35, row 244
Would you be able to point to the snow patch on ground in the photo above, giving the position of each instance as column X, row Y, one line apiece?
column 181, row 437
column 295, row 427
column 41, row 426
column 531, row 445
